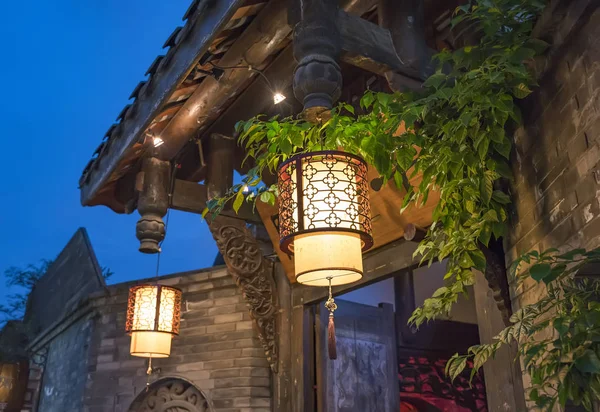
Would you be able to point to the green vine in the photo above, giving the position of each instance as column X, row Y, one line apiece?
column 452, row 133
column 455, row 133
column 557, row 337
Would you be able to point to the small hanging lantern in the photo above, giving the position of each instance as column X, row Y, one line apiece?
column 325, row 219
column 153, row 316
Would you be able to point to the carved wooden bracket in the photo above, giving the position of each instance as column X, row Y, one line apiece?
column 495, row 274
column 253, row 275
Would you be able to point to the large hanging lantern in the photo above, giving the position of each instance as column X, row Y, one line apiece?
column 325, row 220
column 324, row 216
column 153, row 316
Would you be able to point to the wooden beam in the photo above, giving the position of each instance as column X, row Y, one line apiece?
column 206, row 23
column 192, row 197
column 413, row 233
column 370, row 47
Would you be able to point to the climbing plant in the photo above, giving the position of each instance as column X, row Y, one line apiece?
column 455, row 133
column 557, row 337
column 452, row 132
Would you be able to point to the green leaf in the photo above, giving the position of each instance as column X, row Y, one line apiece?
column 521, row 91
column 570, row 255
column 239, row 200
column 588, row 362
column 286, row 146
column 501, row 197
column 349, row 108
column 367, row 100
column 490, row 216
column 555, row 273
column 466, row 261
column 503, row 148
column 455, row 366
column 486, row 188
column 478, row 259
column 398, row 179
column 435, row 80
column 539, row 271
column 561, row 326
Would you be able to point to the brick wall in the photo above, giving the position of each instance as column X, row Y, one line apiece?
column 217, row 349
column 556, row 163
column 62, row 385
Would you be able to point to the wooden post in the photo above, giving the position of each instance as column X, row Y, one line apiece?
column 317, row 47
column 282, row 381
column 219, row 176
column 153, row 203
column 503, row 380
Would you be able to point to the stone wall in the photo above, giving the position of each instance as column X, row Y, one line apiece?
column 556, row 163
column 217, row 350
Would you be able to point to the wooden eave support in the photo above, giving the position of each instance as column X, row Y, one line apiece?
column 370, row 47
column 192, row 197
column 254, row 276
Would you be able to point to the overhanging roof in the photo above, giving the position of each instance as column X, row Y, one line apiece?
column 181, row 101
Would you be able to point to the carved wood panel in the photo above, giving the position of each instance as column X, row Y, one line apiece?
column 253, row 275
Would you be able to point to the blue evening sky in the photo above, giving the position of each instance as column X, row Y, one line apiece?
column 67, row 70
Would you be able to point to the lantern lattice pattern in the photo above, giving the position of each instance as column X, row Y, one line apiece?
column 153, row 317
column 324, row 216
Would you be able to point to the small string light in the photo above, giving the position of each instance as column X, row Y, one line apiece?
column 157, row 141
column 278, row 98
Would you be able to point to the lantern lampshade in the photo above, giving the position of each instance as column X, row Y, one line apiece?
column 324, row 216
column 153, row 317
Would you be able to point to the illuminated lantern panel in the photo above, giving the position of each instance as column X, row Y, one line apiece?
column 153, row 316
column 324, row 216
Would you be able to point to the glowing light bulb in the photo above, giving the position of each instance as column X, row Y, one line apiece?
column 278, row 98
column 157, row 141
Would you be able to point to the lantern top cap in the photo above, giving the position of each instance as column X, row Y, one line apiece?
column 154, row 285
column 322, row 153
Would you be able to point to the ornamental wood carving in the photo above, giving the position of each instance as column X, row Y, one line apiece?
column 495, row 274
column 173, row 396
column 253, row 275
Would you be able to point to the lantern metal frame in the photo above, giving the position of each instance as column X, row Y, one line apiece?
column 174, row 330
column 356, row 175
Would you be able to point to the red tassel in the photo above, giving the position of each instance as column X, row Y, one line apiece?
column 331, row 338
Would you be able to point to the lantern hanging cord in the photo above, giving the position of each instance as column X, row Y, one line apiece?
column 330, row 303
column 249, row 67
column 331, row 307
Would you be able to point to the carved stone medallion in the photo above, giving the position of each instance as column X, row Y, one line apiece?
column 172, row 396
